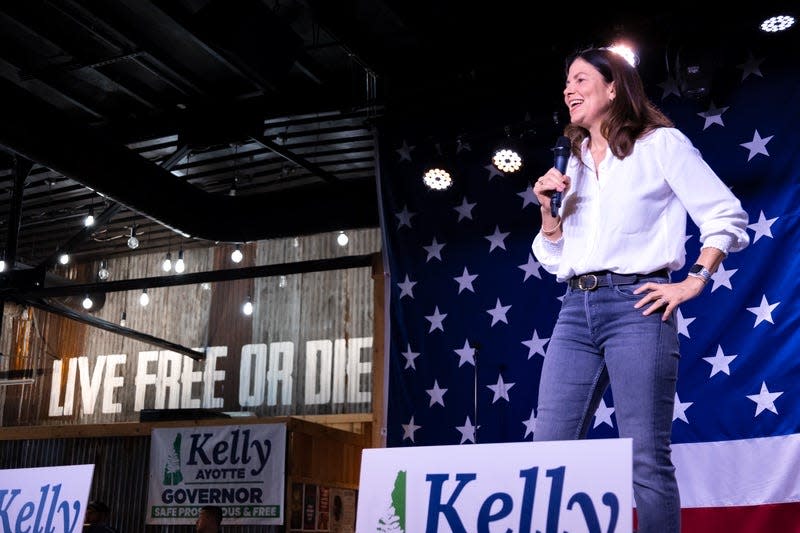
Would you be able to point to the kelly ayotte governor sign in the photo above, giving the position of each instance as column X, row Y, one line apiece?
column 239, row 468
column 582, row 486
column 47, row 499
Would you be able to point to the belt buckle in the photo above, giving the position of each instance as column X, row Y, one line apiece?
column 581, row 279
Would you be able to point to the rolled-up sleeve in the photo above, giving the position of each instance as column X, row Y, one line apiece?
column 712, row 206
column 547, row 252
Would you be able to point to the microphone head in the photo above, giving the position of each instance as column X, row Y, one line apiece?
column 563, row 143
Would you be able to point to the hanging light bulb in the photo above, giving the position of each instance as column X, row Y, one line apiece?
column 87, row 303
column 237, row 255
column 2, row 265
column 180, row 266
column 342, row 239
column 133, row 242
column 89, row 220
column 166, row 266
column 63, row 259
column 103, row 274
column 247, row 308
column 282, row 282
column 206, row 286
column 123, row 320
column 144, row 299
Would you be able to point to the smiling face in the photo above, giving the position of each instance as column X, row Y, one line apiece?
column 588, row 95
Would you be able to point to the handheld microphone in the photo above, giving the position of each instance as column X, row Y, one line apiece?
column 561, row 155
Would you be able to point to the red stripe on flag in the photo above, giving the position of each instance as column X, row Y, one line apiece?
column 767, row 518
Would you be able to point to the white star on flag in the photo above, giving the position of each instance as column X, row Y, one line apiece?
column 528, row 197
column 722, row 278
column 764, row 311
column 466, row 354
column 670, row 86
column 499, row 313
column 765, row 400
column 496, row 239
column 530, row 425
column 464, row 210
column 405, row 151
column 603, row 414
column 757, row 146
column 465, row 281
column 404, row 217
column 410, row 356
column 436, row 394
column 434, row 250
column 751, row 66
column 713, row 115
column 436, row 320
column 406, row 288
column 531, row 268
column 493, row 171
column 679, row 411
column 762, row 227
column 409, row 429
column 720, row 362
column 683, row 324
column 467, row 431
column 500, row 389
column 535, row 345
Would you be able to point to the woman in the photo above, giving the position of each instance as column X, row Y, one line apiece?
column 630, row 182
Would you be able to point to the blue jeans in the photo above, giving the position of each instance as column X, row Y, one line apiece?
column 601, row 340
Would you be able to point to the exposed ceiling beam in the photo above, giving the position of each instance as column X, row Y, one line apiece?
column 64, row 311
column 40, row 133
column 27, row 285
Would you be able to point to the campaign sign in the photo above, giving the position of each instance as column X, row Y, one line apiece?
column 581, row 486
column 238, row 468
column 51, row 499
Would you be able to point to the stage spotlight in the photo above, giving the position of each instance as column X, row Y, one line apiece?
column 437, row 178
column 507, row 160
column 777, row 23
column 626, row 52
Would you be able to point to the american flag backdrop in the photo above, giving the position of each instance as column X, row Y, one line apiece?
column 471, row 311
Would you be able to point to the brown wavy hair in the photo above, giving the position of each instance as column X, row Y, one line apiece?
column 631, row 114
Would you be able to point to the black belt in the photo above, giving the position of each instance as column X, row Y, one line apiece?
column 593, row 280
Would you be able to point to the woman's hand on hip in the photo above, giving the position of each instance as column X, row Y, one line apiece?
column 666, row 297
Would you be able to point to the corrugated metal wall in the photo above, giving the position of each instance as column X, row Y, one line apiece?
column 332, row 307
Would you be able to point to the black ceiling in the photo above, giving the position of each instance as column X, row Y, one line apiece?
column 191, row 122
